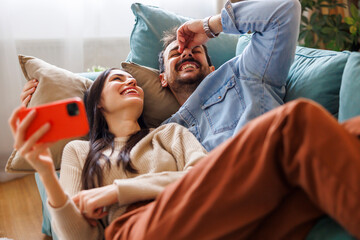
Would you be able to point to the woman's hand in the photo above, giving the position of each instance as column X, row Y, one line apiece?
column 36, row 154
column 28, row 90
column 352, row 126
column 91, row 202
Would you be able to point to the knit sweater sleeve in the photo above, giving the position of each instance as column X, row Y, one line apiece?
column 67, row 221
column 185, row 150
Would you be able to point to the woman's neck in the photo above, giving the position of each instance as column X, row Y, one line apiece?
column 123, row 128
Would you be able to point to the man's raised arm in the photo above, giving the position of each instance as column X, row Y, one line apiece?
column 275, row 28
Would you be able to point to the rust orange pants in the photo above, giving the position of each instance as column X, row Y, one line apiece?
column 273, row 180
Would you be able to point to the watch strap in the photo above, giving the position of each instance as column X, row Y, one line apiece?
column 207, row 29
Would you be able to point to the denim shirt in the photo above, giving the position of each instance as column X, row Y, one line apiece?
column 250, row 84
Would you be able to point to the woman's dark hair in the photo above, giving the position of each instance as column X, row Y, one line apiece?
column 100, row 138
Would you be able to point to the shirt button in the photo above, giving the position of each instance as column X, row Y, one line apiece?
column 219, row 97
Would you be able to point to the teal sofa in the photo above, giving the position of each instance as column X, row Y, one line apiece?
column 328, row 77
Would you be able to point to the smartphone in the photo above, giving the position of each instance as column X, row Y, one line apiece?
column 67, row 119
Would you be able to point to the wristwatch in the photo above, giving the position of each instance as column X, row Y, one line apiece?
column 207, row 29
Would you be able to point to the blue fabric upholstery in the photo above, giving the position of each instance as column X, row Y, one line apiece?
column 350, row 89
column 151, row 22
column 328, row 229
column 315, row 74
column 90, row 75
column 46, row 224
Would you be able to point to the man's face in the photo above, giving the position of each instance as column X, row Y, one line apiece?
column 184, row 71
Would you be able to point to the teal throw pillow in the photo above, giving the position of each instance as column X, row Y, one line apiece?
column 350, row 88
column 315, row 74
column 90, row 75
column 151, row 22
column 327, row 228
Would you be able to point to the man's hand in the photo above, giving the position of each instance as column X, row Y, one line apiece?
column 192, row 32
column 92, row 202
column 28, row 90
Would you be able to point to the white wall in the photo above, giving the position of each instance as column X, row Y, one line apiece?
column 107, row 52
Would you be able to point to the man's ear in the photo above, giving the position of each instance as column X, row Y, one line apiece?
column 163, row 81
column 212, row 68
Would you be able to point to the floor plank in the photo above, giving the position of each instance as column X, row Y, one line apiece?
column 20, row 209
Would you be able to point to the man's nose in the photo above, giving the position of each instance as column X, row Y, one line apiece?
column 186, row 53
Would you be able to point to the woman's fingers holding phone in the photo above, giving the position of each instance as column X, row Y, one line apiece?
column 20, row 129
column 40, row 158
column 32, row 140
column 13, row 120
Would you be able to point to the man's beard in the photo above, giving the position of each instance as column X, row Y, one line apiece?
column 187, row 86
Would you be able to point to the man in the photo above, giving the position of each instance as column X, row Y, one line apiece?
column 216, row 104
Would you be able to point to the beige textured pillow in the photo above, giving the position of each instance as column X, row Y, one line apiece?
column 54, row 84
column 159, row 103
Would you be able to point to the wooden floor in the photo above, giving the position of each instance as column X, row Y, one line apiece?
column 20, row 210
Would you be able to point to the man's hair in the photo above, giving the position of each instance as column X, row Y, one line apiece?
column 168, row 37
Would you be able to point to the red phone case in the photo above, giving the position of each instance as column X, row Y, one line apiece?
column 62, row 124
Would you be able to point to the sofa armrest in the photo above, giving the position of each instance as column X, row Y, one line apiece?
column 46, row 223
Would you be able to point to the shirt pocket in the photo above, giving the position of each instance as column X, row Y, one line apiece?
column 224, row 108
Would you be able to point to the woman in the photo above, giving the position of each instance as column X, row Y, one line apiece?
column 121, row 163
column 273, row 180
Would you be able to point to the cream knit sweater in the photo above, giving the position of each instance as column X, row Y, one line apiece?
column 161, row 158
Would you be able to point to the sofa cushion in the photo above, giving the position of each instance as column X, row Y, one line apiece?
column 327, row 228
column 54, row 84
column 159, row 102
column 315, row 74
column 151, row 22
column 350, row 88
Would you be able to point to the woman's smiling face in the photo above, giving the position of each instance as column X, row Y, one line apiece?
column 121, row 92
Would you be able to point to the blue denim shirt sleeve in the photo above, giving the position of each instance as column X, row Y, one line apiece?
column 275, row 25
